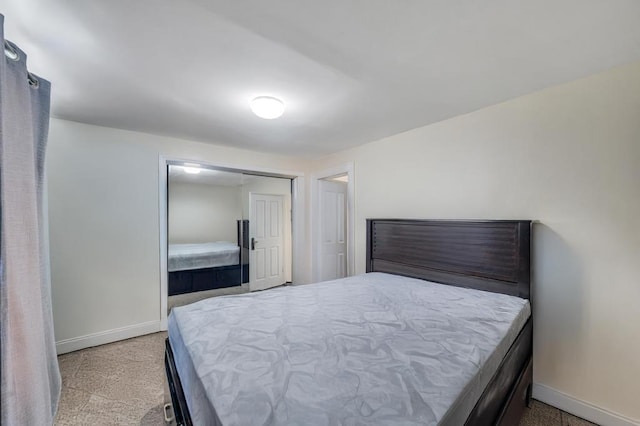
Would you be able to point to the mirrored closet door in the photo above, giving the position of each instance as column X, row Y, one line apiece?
column 228, row 232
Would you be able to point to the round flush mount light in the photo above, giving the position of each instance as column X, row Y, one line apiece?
column 267, row 107
column 192, row 169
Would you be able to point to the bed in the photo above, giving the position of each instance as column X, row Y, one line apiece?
column 393, row 346
column 210, row 265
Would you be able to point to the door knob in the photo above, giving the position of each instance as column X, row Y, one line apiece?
column 253, row 243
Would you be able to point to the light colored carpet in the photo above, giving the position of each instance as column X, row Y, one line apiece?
column 122, row 383
column 541, row 414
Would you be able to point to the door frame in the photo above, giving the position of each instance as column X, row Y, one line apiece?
column 316, row 218
column 297, row 217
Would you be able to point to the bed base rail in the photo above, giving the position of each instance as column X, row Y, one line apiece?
column 178, row 401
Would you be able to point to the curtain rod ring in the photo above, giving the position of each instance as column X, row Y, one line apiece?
column 33, row 81
column 10, row 52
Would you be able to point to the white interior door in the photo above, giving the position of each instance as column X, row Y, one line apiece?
column 266, row 254
column 333, row 220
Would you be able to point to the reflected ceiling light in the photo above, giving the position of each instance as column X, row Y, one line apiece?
column 192, row 169
column 267, row 107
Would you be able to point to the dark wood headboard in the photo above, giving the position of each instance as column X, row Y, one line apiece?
column 485, row 255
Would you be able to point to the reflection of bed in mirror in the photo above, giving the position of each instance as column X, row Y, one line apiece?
column 210, row 265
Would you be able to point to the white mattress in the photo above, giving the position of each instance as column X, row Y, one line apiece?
column 370, row 349
column 184, row 257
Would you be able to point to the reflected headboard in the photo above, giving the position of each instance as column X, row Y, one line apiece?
column 491, row 255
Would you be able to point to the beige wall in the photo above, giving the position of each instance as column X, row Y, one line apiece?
column 569, row 157
column 104, row 223
column 200, row 213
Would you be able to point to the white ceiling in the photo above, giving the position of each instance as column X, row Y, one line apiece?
column 350, row 71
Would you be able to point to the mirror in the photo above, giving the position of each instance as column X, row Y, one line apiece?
column 228, row 233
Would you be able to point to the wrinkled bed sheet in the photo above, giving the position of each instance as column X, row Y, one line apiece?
column 365, row 350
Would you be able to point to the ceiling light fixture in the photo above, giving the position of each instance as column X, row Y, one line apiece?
column 192, row 169
column 267, row 107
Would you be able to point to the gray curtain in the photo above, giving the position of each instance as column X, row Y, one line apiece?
column 30, row 375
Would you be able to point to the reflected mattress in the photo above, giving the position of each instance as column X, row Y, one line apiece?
column 183, row 257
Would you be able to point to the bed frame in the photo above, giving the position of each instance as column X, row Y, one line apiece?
column 486, row 255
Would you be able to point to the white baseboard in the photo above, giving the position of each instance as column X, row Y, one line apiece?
column 108, row 336
column 580, row 408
